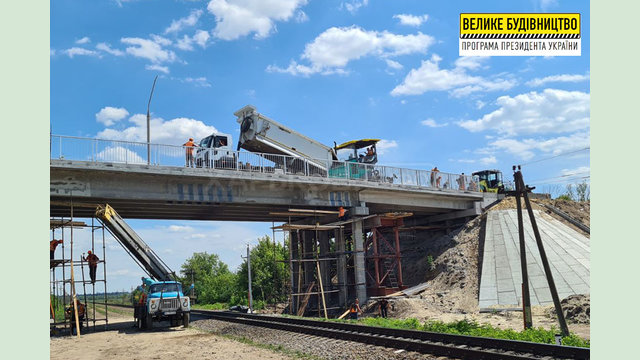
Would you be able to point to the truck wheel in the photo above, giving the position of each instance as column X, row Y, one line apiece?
column 185, row 319
column 148, row 322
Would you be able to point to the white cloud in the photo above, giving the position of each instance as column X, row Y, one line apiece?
column 200, row 81
column 411, row 20
column 201, row 37
column 180, row 228
column 173, row 132
column 186, row 43
column 558, row 78
column 163, row 41
column 332, row 50
column 108, row 49
column 393, row 64
column 301, row 17
column 238, row 18
column 191, row 20
column 120, row 154
column 76, row 51
column 432, row 123
column 480, row 104
column 576, row 171
column 471, row 62
column 84, row 40
column 383, row 145
column 354, row 5
column 148, row 49
column 488, row 160
column 551, row 111
column 155, row 67
column 525, row 148
column 429, row 77
column 110, row 115
column 546, row 4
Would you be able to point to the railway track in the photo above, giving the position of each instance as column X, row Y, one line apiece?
column 455, row 346
column 439, row 344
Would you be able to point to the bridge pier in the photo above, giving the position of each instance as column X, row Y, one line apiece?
column 359, row 265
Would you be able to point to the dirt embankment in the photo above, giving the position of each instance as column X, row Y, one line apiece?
column 452, row 293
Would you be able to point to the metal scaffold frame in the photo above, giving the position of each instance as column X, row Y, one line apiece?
column 66, row 267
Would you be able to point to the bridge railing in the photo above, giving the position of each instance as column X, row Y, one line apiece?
column 129, row 152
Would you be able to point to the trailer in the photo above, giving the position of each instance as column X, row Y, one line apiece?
column 260, row 134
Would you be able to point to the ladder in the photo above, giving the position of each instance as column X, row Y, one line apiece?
column 388, row 266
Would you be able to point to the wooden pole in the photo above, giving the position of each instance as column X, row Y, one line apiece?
column 73, row 284
column 545, row 262
column 324, row 304
column 526, row 298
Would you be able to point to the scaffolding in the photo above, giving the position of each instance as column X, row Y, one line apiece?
column 62, row 280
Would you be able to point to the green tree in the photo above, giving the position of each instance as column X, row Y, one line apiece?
column 213, row 280
column 268, row 271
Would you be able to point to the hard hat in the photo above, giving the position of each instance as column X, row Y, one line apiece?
column 89, row 252
column 190, row 139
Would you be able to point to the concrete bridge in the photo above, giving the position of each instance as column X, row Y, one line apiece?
column 168, row 192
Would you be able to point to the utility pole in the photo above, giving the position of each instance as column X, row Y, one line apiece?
column 522, row 190
column 148, row 123
column 526, row 298
column 249, row 272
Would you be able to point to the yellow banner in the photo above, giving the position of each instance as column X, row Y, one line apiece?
column 524, row 24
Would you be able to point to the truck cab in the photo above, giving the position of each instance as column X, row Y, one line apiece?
column 162, row 300
column 490, row 181
column 357, row 154
column 214, row 151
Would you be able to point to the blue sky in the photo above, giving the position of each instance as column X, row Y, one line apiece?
column 333, row 70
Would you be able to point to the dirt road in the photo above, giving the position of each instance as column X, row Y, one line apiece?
column 121, row 341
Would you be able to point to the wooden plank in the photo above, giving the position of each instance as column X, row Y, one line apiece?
column 305, row 301
column 287, row 214
column 324, row 304
column 315, row 211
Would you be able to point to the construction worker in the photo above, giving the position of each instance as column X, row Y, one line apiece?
column 461, row 184
column 71, row 315
column 53, row 244
column 383, row 307
column 354, row 310
column 342, row 214
column 189, row 152
column 92, row 259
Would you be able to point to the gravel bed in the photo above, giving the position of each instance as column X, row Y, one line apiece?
column 319, row 347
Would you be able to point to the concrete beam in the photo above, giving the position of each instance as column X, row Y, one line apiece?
column 341, row 267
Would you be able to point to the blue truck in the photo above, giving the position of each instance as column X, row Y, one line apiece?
column 161, row 301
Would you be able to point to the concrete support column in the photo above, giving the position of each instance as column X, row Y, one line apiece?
column 342, row 267
column 360, row 271
column 309, row 266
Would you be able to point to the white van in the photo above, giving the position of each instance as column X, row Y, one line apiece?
column 215, row 151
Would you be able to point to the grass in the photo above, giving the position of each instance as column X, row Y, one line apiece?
column 216, row 306
column 471, row 328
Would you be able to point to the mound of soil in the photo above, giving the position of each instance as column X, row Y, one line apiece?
column 576, row 309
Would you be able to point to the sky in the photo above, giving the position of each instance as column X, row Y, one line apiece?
column 333, row 70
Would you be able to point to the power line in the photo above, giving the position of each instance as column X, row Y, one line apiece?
column 555, row 156
column 562, row 176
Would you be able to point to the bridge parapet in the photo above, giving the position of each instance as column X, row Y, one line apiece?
column 127, row 152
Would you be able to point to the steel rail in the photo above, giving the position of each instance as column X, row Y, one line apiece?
column 460, row 346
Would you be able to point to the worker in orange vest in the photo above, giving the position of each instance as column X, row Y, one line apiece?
column 53, row 244
column 92, row 259
column 354, row 310
column 189, row 145
column 342, row 214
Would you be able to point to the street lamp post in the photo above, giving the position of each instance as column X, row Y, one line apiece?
column 148, row 123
